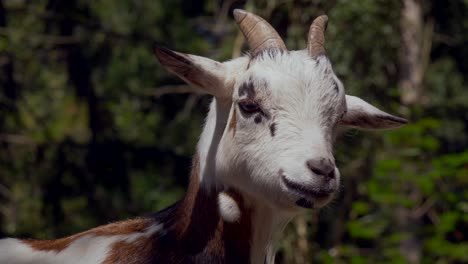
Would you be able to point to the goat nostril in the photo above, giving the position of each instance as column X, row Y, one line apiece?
column 316, row 171
column 321, row 167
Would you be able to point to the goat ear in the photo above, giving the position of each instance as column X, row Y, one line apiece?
column 363, row 115
column 207, row 74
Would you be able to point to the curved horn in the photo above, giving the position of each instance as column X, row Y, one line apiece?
column 259, row 33
column 316, row 40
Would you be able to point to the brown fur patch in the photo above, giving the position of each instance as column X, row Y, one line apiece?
column 137, row 225
column 202, row 231
column 238, row 236
column 49, row 245
column 185, row 211
column 194, row 232
column 233, row 123
column 215, row 245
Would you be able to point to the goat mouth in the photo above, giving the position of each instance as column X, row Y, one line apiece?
column 305, row 191
column 304, row 203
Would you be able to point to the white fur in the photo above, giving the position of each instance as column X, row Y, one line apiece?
column 268, row 224
column 228, row 208
column 88, row 249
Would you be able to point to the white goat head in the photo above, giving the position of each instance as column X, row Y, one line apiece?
column 272, row 124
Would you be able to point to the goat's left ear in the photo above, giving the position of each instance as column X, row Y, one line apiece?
column 363, row 115
column 207, row 74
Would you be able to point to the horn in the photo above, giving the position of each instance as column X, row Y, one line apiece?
column 316, row 40
column 259, row 34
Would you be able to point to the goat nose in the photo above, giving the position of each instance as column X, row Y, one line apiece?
column 322, row 167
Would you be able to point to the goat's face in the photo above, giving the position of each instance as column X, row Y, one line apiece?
column 280, row 111
column 277, row 144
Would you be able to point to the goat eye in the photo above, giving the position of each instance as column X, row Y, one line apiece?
column 249, row 106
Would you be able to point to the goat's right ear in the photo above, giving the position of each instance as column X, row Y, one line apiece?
column 362, row 115
column 202, row 72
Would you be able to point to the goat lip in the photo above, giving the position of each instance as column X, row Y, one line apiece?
column 304, row 190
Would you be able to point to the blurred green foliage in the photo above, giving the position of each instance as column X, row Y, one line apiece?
column 87, row 136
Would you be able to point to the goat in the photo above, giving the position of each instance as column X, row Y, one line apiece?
column 265, row 153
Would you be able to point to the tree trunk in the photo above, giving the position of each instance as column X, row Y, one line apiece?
column 411, row 63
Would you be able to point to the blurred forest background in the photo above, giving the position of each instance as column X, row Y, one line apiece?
column 93, row 129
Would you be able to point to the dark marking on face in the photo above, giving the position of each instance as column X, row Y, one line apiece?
column 247, row 88
column 251, row 90
column 258, row 119
column 335, row 86
column 273, row 129
column 268, row 53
